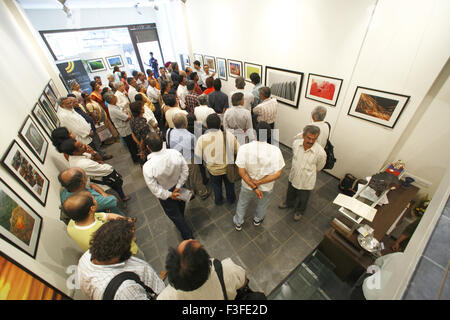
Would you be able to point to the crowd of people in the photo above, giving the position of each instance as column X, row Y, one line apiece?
column 191, row 139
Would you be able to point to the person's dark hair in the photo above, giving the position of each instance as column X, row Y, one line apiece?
column 74, row 182
column 173, row 89
column 58, row 136
column 129, row 80
column 85, row 96
column 105, row 90
column 136, row 108
column 134, row 73
column 78, row 205
column 153, row 141
column 192, row 76
column 170, row 99
column 164, row 85
column 138, row 97
column 112, row 240
column 237, row 98
column 213, row 121
column 109, row 97
column 147, row 71
column 122, row 74
column 263, row 132
column 197, row 63
column 255, row 78
column 217, row 84
column 68, row 146
column 265, row 91
column 190, row 85
column 93, row 83
column 71, row 95
column 190, row 270
column 209, row 82
column 116, row 69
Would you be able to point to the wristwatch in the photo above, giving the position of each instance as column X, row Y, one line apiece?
column 255, row 188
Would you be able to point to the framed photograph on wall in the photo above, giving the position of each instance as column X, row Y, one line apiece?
column 285, row 85
column 96, row 65
column 26, row 172
column 20, row 225
column 21, row 284
column 378, row 106
column 34, row 139
column 222, row 68
column 43, row 120
column 211, row 62
column 49, row 110
column 323, row 89
column 186, row 60
column 251, row 68
column 51, row 97
column 114, row 61
column 235, row 68
column 55, row 90
column 198, row 57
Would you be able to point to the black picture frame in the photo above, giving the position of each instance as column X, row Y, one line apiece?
column 232, row 75
column 116, row 56
column 247, row 76
column 12, row 155
column 297, row 75
column 55, row 90
column 23, row 134
column 336, row 81
column 383, row 100
column 51, row 97
column 213, row 69
column 41, row 117
column 19, row 218
column 199, row 57
column 225, row 77
column 51, row 113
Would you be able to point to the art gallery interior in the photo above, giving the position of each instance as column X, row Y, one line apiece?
column 392, row 48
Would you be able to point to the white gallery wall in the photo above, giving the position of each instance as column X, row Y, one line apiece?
column 394, row 46
column 26, row 70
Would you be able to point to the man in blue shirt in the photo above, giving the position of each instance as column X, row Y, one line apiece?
column 154, row 65
column 74, row 180
column 183, row 141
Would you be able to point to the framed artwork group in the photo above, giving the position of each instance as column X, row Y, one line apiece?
column 20, row 224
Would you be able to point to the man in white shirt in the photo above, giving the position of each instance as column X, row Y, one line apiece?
column 152, row 92
column 318, row 116
column 142, row 80
column 308, row 158
column 165, row 172
column 200, row 74
column 203, row 110
column 260, row 164
column 206, row 73
column 122, row 98
column 182, row 90
column 267, row 109
column 98, row 266
column 192, row 275
column 73, row 121
column 121, row 120
column 248, row 97
column 132, row 92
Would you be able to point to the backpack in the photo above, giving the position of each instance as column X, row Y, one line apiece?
column 349, row 184
column 115, row 283
column 329, row 150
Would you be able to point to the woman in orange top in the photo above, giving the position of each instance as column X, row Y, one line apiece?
column 209, row 85
column 150, row 77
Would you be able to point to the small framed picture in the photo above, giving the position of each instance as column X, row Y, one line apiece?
column 26, row 172
column 323, row 89
column 51, row 97
column 54, row 89
column 114, row 61
column 378, row 106
column 235, row 68
column 186, row 60
column 33, row 138
column 285, row 85
column 252, row 68
column 211, row 62
column 49, row 110
column 222, row 68
column 198, row 57
column 43, row 120
column 20, row 225
column 96, row 65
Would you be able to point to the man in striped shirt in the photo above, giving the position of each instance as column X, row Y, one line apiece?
column 308, row 158
column 267, row 109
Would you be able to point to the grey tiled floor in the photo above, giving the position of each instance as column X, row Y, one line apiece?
column 268, row 252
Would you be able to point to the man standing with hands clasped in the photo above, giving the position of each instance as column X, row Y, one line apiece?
column 308, row 158
column 260, row 164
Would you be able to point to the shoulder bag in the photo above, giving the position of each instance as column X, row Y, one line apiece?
column 115, row 283
column 329, row 150
column 232, row 169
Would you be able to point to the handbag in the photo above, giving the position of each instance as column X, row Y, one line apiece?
column 329, row 150
column 113, row 180
column 243, row 293
column 115, row 283
column 232, row 170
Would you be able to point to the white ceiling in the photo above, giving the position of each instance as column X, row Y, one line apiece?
column 73, row 4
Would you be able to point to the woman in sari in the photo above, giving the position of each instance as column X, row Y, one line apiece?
column 98, row 113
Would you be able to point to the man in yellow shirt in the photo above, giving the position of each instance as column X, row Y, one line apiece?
column 81, row 207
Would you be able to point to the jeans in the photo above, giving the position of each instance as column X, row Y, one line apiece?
column 245, row 197
column 174, row 209
column 216, row 184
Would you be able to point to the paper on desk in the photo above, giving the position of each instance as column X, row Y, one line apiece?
column 356, row 206
column 370, row 194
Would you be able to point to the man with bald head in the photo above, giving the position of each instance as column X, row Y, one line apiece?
column 81, row 208
column 75, row 180
column 192, row 276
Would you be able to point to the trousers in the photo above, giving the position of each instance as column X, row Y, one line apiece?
column 174, row 209
column 245, row 197
column 297, row 199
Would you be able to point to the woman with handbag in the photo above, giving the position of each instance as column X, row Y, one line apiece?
column 218, row 149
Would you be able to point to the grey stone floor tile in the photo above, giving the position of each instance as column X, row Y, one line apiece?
column 200, row 220
column 225, row 224
column 150, row 250
column 426, row 281
column 281, row 231
column 251, row 255
column 143, row 235
column 159, row 225
column 438, row 248
column 209, row 234
column 221, row 249
column 164, row 241
column 266, row 276
column 238, row 239
column 267, row 243
column 322, row 222
column 158, row 264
